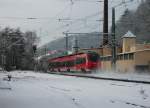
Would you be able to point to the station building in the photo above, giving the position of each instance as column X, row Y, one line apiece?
column 131, row 56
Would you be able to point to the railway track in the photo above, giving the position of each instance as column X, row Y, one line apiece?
column 101, row 78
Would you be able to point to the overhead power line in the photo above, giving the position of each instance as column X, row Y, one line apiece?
column 90, row 1
column 123, row 2
column 27, row 18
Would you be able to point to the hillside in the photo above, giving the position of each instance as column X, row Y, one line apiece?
column 84, row 41
column 138, row 22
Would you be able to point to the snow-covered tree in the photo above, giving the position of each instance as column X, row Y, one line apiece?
column 136, row 21
column 17, row 48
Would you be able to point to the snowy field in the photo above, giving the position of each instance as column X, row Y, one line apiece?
column 37, row 90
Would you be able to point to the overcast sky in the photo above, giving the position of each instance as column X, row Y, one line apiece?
column 76, row 16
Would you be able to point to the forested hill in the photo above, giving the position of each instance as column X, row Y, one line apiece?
column 138, row 22
column 84, row 41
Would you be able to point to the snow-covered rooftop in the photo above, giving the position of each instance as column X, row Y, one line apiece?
column 129, row 34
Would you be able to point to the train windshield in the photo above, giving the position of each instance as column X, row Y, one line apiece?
column 93, row 57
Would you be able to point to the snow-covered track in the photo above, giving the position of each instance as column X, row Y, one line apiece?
column 101, row 78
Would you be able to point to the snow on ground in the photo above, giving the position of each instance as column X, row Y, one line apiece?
column 38, row 90
column 143, row 76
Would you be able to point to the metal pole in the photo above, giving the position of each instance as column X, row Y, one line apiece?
column 67, row 42
column 45, row 50
column 114, row 58
column 76, row 45
column 105, row 23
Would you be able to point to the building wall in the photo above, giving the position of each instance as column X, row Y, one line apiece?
column 142, row 46
column 121, row 66
column 106, row 66
column 142, row 57
column 128, row 43
column 108, row 50
column 125, row 65
column 129, row 62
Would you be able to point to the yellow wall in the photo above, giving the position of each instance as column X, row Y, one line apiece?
column 142, row 46
column 106, row 51
column 121, row 65
column 125, row 65
column 142, row 57
column 106, row 65
column 128, row 43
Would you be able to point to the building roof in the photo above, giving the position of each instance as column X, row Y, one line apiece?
column 129, row 34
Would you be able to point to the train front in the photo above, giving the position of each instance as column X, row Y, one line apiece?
column 93, row 61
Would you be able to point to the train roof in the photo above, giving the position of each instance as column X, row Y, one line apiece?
column 87, row 52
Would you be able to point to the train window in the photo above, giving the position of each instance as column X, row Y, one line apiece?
column 50, row 64
column 93, row 57
column 80, row 60
column 63, row 64
column 67, row 64
column 55, row 64
column 59, row 64
column 70, row 63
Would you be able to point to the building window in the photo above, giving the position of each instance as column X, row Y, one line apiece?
column 131, row 56
column 121, row 57
column 126, row 57
column 108, row 58
column 118, row 57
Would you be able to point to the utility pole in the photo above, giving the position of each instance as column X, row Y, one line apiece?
column 45, row 50
column 114, row 52
column 66, row 37
column 67, row 42
column 76, row 45
column 105, row 23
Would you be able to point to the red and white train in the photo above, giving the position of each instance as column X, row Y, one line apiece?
column 75, row 62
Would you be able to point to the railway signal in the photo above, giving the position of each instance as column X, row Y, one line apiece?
column 34, row 48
